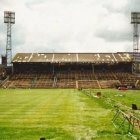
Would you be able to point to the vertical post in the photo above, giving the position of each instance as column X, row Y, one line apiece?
column 53, row 69
column 93, row 69
column 77, row 84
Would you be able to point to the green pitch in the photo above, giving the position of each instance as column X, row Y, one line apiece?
column 59, row 114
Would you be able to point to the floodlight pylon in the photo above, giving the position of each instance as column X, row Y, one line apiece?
column 9, row 19
column 135, row 20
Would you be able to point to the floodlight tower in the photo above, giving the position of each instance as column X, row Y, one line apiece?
column 135, row 20
column 9, row 19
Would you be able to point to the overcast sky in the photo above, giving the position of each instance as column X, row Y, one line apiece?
column 69, row 25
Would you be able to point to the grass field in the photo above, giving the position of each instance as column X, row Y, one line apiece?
column 59, row 114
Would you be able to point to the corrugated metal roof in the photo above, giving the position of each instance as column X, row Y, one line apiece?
column 72, row 57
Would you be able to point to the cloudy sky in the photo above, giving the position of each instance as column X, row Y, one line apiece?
column 69, row 25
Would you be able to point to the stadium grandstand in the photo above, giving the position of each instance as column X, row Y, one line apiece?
column 2, row 74
column 72, row 70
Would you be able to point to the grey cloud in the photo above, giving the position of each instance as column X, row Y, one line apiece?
column 114, row 36
column 134, row 5
column 19, row 36
column 76, row 26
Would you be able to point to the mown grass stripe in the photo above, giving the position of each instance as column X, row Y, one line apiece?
column 63, row 114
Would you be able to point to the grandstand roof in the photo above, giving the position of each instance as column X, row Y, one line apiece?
column 72, row 57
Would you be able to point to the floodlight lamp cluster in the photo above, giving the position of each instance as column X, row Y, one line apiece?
column 9, row 17
column 135, row 18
